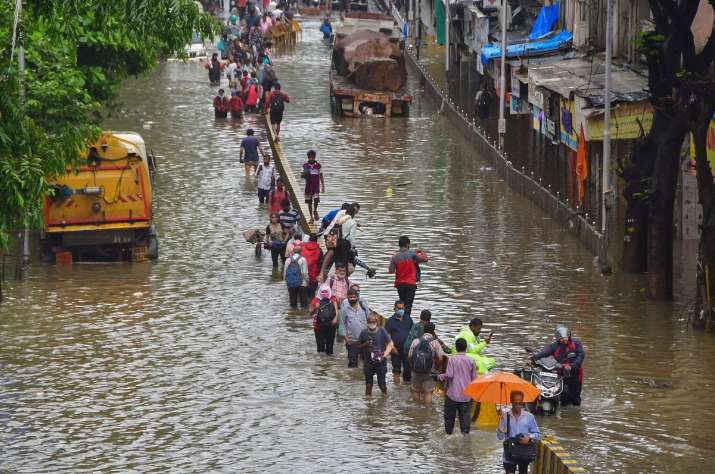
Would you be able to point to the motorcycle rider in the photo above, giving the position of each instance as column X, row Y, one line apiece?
column 568, row 352
column 475, row 345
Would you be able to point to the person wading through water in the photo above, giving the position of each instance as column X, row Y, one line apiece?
column 313, row 254
column 296, row 278
column 405, row 265
column 476, row 345
column 276, row 238
column 324, row 309
column 460, row 372
column 398, row 327
column 276, row 101
column 221, row 105
column 353, row 318
column 376, row 344
column 277, row 196
column 266, row 174
column 519, row 425
column 426, row 356
column 250, row 147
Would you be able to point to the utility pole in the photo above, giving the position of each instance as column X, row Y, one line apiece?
column 25, row 258
column 226, row 9
column 418, row 42
column 502, row 78
column 446, row 42
column 606, row 177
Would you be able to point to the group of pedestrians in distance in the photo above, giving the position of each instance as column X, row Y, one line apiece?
column 252, row 81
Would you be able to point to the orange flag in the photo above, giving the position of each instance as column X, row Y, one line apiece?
column 581, row 166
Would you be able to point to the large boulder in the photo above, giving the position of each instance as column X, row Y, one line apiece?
column 370, row 60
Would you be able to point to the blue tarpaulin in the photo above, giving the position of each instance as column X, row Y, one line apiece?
column 530, row 48
column 545, row 21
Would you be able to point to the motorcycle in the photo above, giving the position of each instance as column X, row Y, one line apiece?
column 545, row 375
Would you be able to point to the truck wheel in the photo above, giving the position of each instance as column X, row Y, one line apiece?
column 46, row 253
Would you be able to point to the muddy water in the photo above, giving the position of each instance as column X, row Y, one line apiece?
column 196, row 363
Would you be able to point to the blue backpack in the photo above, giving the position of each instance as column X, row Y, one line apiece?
column 294, row 276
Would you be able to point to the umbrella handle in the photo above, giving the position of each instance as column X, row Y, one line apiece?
column 477, row 408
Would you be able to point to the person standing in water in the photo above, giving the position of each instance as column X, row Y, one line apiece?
column 405, row 266
column 376, row 344
column 250, row 147
column 266, row 174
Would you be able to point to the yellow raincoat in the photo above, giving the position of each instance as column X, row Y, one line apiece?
column 475, row 346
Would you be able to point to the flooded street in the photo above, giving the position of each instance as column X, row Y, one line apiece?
column 197, row 364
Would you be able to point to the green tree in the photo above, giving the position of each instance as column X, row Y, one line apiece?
column 77, row 53
column 675, row 71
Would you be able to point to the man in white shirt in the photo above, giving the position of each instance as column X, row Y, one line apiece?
column 266, row 174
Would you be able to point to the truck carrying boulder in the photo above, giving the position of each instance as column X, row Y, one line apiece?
column 370, row 60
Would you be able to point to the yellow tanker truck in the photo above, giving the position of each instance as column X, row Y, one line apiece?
column 102, row 210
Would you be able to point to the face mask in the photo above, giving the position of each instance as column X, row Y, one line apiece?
column 400, row 312
column 372, row 326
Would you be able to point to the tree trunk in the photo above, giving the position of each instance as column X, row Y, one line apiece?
column 660, row 210
column 636, row 175
column 706, row 193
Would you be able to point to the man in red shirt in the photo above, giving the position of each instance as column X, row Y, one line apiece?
column 275, row 103
column 221, row 105
column 405, row 265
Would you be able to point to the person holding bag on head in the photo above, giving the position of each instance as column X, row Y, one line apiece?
column 517, row 428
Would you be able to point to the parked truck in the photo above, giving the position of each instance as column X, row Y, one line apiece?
column 102, row 209
column 368, row 74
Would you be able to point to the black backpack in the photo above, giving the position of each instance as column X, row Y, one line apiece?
column 326, row 313
column 277, row 104
column 422, row 357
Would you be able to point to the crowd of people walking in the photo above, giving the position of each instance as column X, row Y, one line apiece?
column 317, row 279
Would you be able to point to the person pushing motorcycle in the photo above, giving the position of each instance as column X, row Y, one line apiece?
column 568, row 352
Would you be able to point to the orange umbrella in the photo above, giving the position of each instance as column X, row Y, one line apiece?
column 496, row 387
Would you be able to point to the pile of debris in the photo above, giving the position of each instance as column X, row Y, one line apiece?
column 370, row 60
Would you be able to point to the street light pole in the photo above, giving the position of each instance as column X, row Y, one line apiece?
column 25, row 258
column 606, row 176
column 446, row 39
column 502, row 78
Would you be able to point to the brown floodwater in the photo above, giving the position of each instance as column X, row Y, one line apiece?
column 196, row 363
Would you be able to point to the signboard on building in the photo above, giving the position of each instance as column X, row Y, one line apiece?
column 568, row 127
column 710, row 144
column 537, row 118
column 518, row 106
column 536, row 96
column 624, row 122
column 515, row 85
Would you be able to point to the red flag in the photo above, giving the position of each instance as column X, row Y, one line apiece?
column 581, row 166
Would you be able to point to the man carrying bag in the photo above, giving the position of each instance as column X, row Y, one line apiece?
column 518, row 430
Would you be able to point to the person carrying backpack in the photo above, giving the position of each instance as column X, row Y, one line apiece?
column 275, row 102
column 296, row 278
column 425, row 356
column 324, row 309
